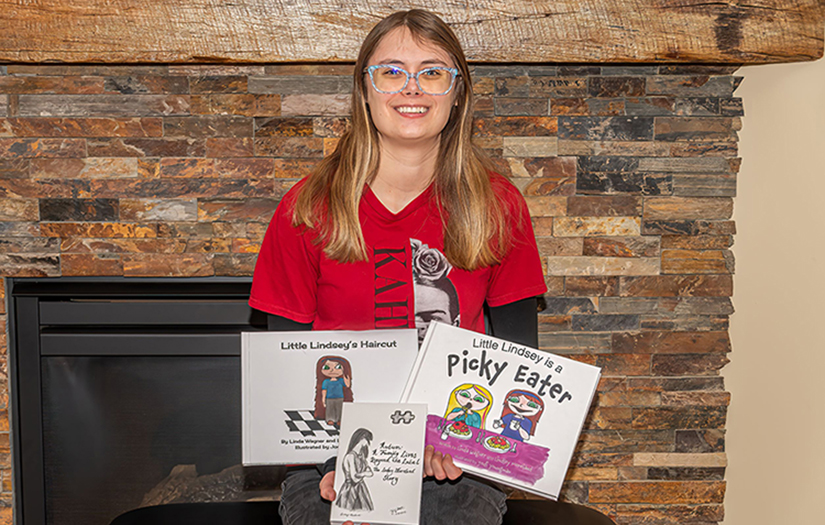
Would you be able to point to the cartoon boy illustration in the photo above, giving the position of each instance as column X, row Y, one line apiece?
column 521, row 413
column 469, row 403
column 333, row 386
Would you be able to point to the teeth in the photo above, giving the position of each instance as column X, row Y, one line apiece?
column 411, row 109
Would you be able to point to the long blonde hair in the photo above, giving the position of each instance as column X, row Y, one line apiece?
column 453, row 403
column 473, row 218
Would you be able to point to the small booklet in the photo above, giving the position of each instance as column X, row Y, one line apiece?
column 294, row 385
column 380, row 464
column 504, row 411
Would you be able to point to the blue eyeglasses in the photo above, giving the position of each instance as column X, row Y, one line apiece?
column 392, row 79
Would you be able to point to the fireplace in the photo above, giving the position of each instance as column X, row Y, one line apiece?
column 127, row 393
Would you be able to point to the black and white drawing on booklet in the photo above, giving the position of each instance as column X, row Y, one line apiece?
column 354, row 494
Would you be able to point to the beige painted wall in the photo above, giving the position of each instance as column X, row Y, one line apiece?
column 776, row 424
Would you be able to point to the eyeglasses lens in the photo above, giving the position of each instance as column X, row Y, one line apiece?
column 431, row 81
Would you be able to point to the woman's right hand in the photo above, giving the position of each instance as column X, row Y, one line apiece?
column 328, row 492
column 439, row 466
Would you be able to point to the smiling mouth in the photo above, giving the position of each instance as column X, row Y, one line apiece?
column 412, row 109
column 521, row 411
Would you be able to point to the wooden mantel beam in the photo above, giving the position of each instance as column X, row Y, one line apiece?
column 569, row 31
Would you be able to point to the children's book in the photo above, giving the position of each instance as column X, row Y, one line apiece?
column 380, row 464
column 294, row 385
column 504, row 411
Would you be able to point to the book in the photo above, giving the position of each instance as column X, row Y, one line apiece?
column 504, row 411
column 380, row 464
column 295, row 383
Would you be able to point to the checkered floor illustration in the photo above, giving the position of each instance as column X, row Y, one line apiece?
column 304, row 421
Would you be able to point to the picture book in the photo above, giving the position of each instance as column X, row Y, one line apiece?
column 380, row 464
column 294, row 385
column 504, row 411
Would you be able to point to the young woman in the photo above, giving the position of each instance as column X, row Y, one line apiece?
column 405, row 178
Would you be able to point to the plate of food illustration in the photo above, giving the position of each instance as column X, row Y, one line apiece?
column 460, row 429
column 497, row 444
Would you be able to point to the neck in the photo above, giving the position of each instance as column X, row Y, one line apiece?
column 404, row 173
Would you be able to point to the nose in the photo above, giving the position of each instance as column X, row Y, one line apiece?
column 412, row 87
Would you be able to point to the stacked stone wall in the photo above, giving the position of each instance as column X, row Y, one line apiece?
column 629, row 173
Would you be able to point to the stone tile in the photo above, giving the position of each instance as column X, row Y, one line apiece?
column 607, row 206
column 216, row 168
column 681, row 417
column 81, row 127
column 181, row 188
column 689, row 365
column 283, row 127
column 546, row 206
column 671, row 342
column 542, row 227
column 483, row 85
column 731, row 107
column 621, row 246
column 18, row 209
column 135, row 147
column 688, row 227
column 112, row 246
column 605, row 128
column 690, row 86
column 569, row 106
column 624, row 441
column 245, row 246
column 676, row 208
column 4, row 105
column 616, row 86
column 629, row 70
column 707, row 106
column 148, row 84
column 609, row 417
column 26, row 188
column 521, row 106
column 677, row 285
column 301, row 85
column 218, row 84
column 29, row 265
column 58, row 84
column 697, row 242
column 602, row 266
column 668, row 515
column 208, row 246
column 530, row 146
column 686, row 323
column 697, row 185
column 175, row 265
column 92, row 265
column 685, row 165
column 179, row 231
column 484, row 106
column 311, row 70
column 235, row 264
column 103, row 105
column 315, row 105
column 553, row 323
column 697, row 262
column 562, row 86
column 518, row 87
column 257, row 210
column 591, row 286
column 204, row 126
column 79, row 210
column 650, row 106
column 480, row 70
column 569, row 305
column 605, row 107
column 303, row 147
column 142, row 210
column 694, row 129
column 605, row 323
column 294, row 168
column 706, row 149
column 618, row 365
column 676, row 399
column 686, row 473
column 561, row 343
column 677, row 384
column 89, row 168
column 223, row 104
column 97, row 229
column 596, row 226
column 42, row 148
column 700, row 441
column 515, row 126
column 230, row 147
column 29, row 245
column 667, row 305
column 329, row 127
column 551, row 246
column 614, row 148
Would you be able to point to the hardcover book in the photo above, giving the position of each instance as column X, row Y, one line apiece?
column 294, row 385
column 504, row 411
column 380, row 464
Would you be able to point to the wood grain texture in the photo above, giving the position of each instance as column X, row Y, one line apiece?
column 584, row 31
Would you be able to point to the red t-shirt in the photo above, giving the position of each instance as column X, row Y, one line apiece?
column 406, row 282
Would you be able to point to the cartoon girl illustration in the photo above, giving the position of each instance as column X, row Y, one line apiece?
column 354, row 493
column 333, row 386
column 521, row 413
column 469, row 403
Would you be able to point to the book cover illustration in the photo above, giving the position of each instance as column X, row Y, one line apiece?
column 380, row 464
column 294, row 385
column 502, row 410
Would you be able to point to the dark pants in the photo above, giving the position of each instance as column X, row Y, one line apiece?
column 465, row 501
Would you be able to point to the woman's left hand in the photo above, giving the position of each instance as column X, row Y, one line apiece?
column 439, row 466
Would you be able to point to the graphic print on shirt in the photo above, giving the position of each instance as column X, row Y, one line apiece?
column 391, row 287
column 436, row 298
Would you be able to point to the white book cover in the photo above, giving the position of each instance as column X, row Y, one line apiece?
column 380, row 464
column 504, row 411
column 295, row 383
